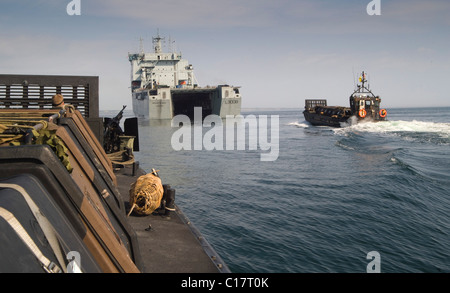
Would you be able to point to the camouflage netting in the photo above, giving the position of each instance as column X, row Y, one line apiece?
column 50, row 138
column 146, row 194
column 12, row 133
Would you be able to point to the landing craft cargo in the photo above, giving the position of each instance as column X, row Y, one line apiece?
column 72, row 197
column 163, row 85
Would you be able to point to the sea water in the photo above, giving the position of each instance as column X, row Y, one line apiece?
column 332, row 196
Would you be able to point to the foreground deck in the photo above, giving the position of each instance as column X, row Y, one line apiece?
column 169, row 244
column 58, row 182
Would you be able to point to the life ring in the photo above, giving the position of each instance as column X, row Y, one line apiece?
column 383, row 113
column 362, row 113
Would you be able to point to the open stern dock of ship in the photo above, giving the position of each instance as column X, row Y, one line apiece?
column 163, row 85
column 65, row 202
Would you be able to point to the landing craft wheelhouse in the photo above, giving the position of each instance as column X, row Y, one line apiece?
column 364, row 106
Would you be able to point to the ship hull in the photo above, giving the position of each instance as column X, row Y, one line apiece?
column 165, row 103
column 148, row 106
column 317, row 119
column 323, row 120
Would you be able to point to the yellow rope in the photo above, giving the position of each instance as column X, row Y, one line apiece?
column 117, row 157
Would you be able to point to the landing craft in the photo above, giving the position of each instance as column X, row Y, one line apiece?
column 72, row 196
column 364, row 106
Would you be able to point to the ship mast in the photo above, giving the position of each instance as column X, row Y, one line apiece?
column 157, row 43
column 141, row 46
column 362, row 88
column 363, row 79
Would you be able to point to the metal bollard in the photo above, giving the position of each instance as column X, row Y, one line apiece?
column 170, row 201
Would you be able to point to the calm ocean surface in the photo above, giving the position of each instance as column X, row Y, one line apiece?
column 331, row 197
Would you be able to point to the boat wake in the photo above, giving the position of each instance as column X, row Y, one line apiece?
column 302, row 124
column 420, row 131
column 416, row 147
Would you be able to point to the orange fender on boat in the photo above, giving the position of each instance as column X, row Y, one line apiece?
column 362, row 113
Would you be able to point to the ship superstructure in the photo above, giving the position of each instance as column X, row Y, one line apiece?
column 163, row 85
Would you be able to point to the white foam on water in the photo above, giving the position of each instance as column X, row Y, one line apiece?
column 399, row 126
column 303, row 124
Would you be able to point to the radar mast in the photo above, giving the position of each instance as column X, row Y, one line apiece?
column 157, row 43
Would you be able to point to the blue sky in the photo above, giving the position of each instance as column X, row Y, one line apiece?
column 279, row 51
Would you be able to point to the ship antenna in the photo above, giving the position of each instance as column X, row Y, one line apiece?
column 354, row 78
column 141, row 45
column 157, row 42
column 363, row 79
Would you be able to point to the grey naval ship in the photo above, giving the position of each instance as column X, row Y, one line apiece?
column 163, row 85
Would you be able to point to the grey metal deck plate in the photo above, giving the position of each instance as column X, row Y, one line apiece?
column 169, row 244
